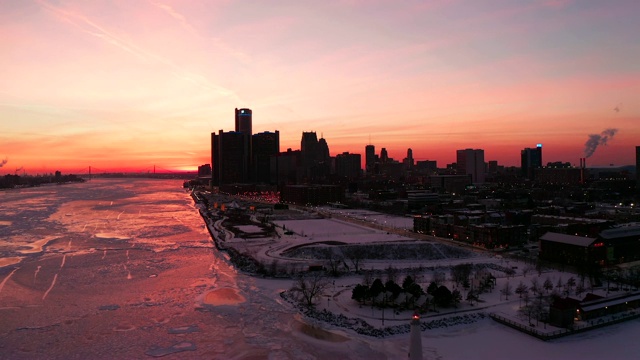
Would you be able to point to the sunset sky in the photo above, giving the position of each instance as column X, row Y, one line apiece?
column 132, row 84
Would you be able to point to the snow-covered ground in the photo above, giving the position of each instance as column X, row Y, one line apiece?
column 481, row 339
column 447, row 328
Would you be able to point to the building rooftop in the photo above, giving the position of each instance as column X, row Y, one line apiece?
column 605, row 302
column 568, row 239
column 621, row 231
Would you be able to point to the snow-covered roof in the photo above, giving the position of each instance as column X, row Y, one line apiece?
column 601, row 303
column 568, row 239
column 620, row 232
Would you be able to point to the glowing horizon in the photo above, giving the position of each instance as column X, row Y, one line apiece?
column 128, row 85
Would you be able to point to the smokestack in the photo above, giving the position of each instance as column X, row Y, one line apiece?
column 583, row 165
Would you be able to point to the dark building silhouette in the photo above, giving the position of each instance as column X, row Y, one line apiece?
column 323, row 151
column 427, row 166
column 370, row 158
column 531, row 159
column 286, row 168
column 230, row 155
column 240, row 156
column 315, row 157
column 312, row 194
column 560, row 173
column 492, row 167
column 204, row 170
column 309, row 146
column 244, row 121
column 408, row 161
column 471, row 162
column 348, row 165
column 244, row 124
column 264, row 146
column 384, row 156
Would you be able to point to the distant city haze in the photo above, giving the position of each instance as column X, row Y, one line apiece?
column 126, row 86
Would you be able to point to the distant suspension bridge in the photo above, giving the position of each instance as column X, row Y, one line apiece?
column 150, row 172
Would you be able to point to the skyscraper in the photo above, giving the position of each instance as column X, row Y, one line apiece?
column 229, row 155
column 530, row 159
column 408, row 161
column 231, row 151
column 370, row 158
column 323, row 151
column 348, row 165
column 244, row 125
column 244, row 121
column 384, row 156
column 264, row 146
column 471, row 162
column 315, row 159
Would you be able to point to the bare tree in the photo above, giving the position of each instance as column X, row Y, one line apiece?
column 506, row 290
column 334, row 261
column 356, row 255
column 547, row 285
column 526, row 298
column 461, row 272
column 521, row 289
column 367, row 278
column 392, row 273
column 308, row 288
column 535, row 286
column 571, row 282
column 439, row 278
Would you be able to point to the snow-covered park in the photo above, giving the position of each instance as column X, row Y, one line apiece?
column 385, row 254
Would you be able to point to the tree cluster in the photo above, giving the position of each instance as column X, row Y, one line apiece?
column 11, row 181
column 409, row 295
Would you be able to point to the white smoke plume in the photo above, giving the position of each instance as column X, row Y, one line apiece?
column 598, row 139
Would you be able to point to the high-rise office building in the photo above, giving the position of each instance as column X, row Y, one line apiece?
column 244, row 121
column 384, row 156
column 264, row 146
column 408, row 161
column 348, row 165
column 323, row 151
column 370, row 158
column 471, row 162
column 244, row 124
column 229, row 155
column 309, row 148
column 531, row 159
column 315, row 157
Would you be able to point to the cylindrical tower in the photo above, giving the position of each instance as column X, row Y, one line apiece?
column 415, row 346
column 243, row 121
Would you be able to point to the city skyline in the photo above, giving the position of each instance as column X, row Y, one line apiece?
column 119, row 85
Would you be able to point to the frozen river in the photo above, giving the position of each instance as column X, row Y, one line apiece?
column 125, row 269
